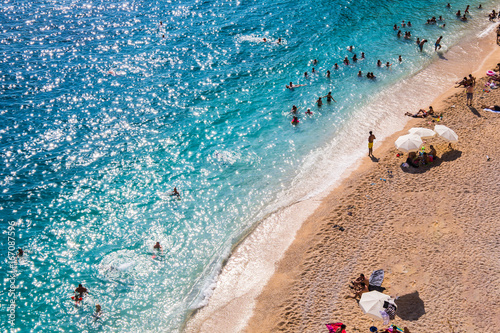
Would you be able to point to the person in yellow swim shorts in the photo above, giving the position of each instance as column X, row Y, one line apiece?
column 370, row 144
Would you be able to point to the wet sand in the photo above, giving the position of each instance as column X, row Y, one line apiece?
column 434, row 230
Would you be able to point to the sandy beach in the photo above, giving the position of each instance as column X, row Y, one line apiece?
column 434, row 231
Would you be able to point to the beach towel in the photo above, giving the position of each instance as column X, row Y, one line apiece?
column 332, row 328
column 490, row 110
column 377, row 278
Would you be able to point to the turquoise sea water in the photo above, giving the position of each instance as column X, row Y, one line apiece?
column 103, row 110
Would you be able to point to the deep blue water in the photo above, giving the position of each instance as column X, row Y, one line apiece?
column 103, row 110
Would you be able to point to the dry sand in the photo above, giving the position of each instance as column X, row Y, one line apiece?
column 434, row 230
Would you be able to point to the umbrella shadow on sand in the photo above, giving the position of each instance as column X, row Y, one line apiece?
column 410, row 307
column 448, row 156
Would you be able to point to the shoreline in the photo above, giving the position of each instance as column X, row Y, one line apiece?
column 226, row 309
column 294, row 292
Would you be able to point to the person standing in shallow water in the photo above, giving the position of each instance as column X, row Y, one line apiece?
column 370, row 144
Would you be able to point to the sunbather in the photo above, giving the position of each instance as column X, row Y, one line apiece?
column 420, row 114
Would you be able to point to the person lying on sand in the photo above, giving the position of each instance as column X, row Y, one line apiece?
column 420, row 114
column 491, row 107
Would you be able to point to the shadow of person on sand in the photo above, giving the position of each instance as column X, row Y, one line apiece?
column 374, row 159
column 474, row 110
column 448, row 156
column 410, row 306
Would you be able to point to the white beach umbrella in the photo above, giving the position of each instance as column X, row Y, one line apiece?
column 446, row 133
column 422, row 132
column 372, row 303
column 409, row 142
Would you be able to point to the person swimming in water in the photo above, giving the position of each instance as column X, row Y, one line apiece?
column 315, row 62
column 295, row 120
column 418, row 41
column 306, row 75
column 291, row 86
column 80, row 292
column 464, row 18
column 294, row 109
column 175, row 192
column 388, row 65
column 328, row 74
column 309, row 111
column 362, row 55
column 319, row 102
column 360, row 74
column 346, row 61
column 157, row 246
column 354, row 58
column 399, row 33
column 379, row 63
column 400, row 59
column 329, row 98
column 350, row 48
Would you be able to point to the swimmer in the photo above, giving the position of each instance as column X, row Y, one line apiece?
column 306, row 75
column 421, row 45
column 388, row 65
column 409, row 24
column 162, row 36
column 98, row 312
column 354, row 58
column 315, row 62
column 279, row 41
column 313, row 71
column 309, row 111
column 294, row 109
column 362, row 55
column 336, row 66
column 418, row 41
column 399, row 33
column 291, row 86
column 175, row 192
column 161, row 23
column 328, row 74
column 400, row 59
column 448, row 5
column 319, row 102
column 295, row 120
column 20, row 252
column 458, row 13
column 350, row 48
column 480, row 6
column 440, row 18
column 157, row 246
column 329, row 98
column 466, row 9
column 360, row 74
column 264, row 40
column 346, row 61
column 437, row 45
column 403, row 24
column 464, row 18
column 395, row 27
column 444, row 25
column 379, row 63
column 80, row 292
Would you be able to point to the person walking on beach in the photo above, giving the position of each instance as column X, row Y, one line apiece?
column 370, row 144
